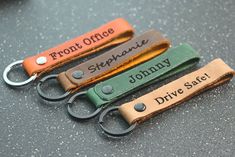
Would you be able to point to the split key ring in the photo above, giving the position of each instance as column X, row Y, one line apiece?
column 16, row 84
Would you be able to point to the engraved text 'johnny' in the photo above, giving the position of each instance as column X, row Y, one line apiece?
column 149, row 71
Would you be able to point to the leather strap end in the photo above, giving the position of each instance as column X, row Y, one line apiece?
column 110, row 34
column 171, row 62
column 213, row 74
column 65, row 83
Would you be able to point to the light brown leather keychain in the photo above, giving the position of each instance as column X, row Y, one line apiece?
column 112, row 33
column 139, row 110
column 138, row 50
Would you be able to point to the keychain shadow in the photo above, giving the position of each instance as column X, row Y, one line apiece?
column 22, row 88
column 51, row 104
column 80, row 123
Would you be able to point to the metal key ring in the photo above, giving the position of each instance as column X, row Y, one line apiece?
column 107, row 131
column 16, row 84
column 75, row 115
column 46, row 97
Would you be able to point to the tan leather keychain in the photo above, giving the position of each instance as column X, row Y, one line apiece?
column 213, row 74
column 123, row 57
column 112, row 33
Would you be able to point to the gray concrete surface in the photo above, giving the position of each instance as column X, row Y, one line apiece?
column 202, row 127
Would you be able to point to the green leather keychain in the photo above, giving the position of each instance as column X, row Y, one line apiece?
column 104, row 93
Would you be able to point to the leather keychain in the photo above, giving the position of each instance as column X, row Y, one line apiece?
column 123, row 57
column 169, row 63
column 112, row 33
column 213, row 74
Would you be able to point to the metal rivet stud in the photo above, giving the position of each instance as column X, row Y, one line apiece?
column 41, row 60
column 78, row 74
column 140, row 107
column 107, row 89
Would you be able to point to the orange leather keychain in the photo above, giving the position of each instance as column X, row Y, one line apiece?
column 139, row 110
column 112, row 33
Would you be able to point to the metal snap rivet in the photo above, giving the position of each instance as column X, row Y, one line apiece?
column 41, row 60
column 140, row 107
column 78, row 74
column 108, row 89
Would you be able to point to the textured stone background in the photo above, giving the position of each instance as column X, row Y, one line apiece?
column 203, row 126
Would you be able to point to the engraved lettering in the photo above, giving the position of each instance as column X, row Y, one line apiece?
column 79, row 45
column 114, row 58
column 142, row 74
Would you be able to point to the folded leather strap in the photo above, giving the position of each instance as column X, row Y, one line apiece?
column 169, row 95
column 112, row 33
column 169, row 63
column 176, row 92
column 127, row 55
